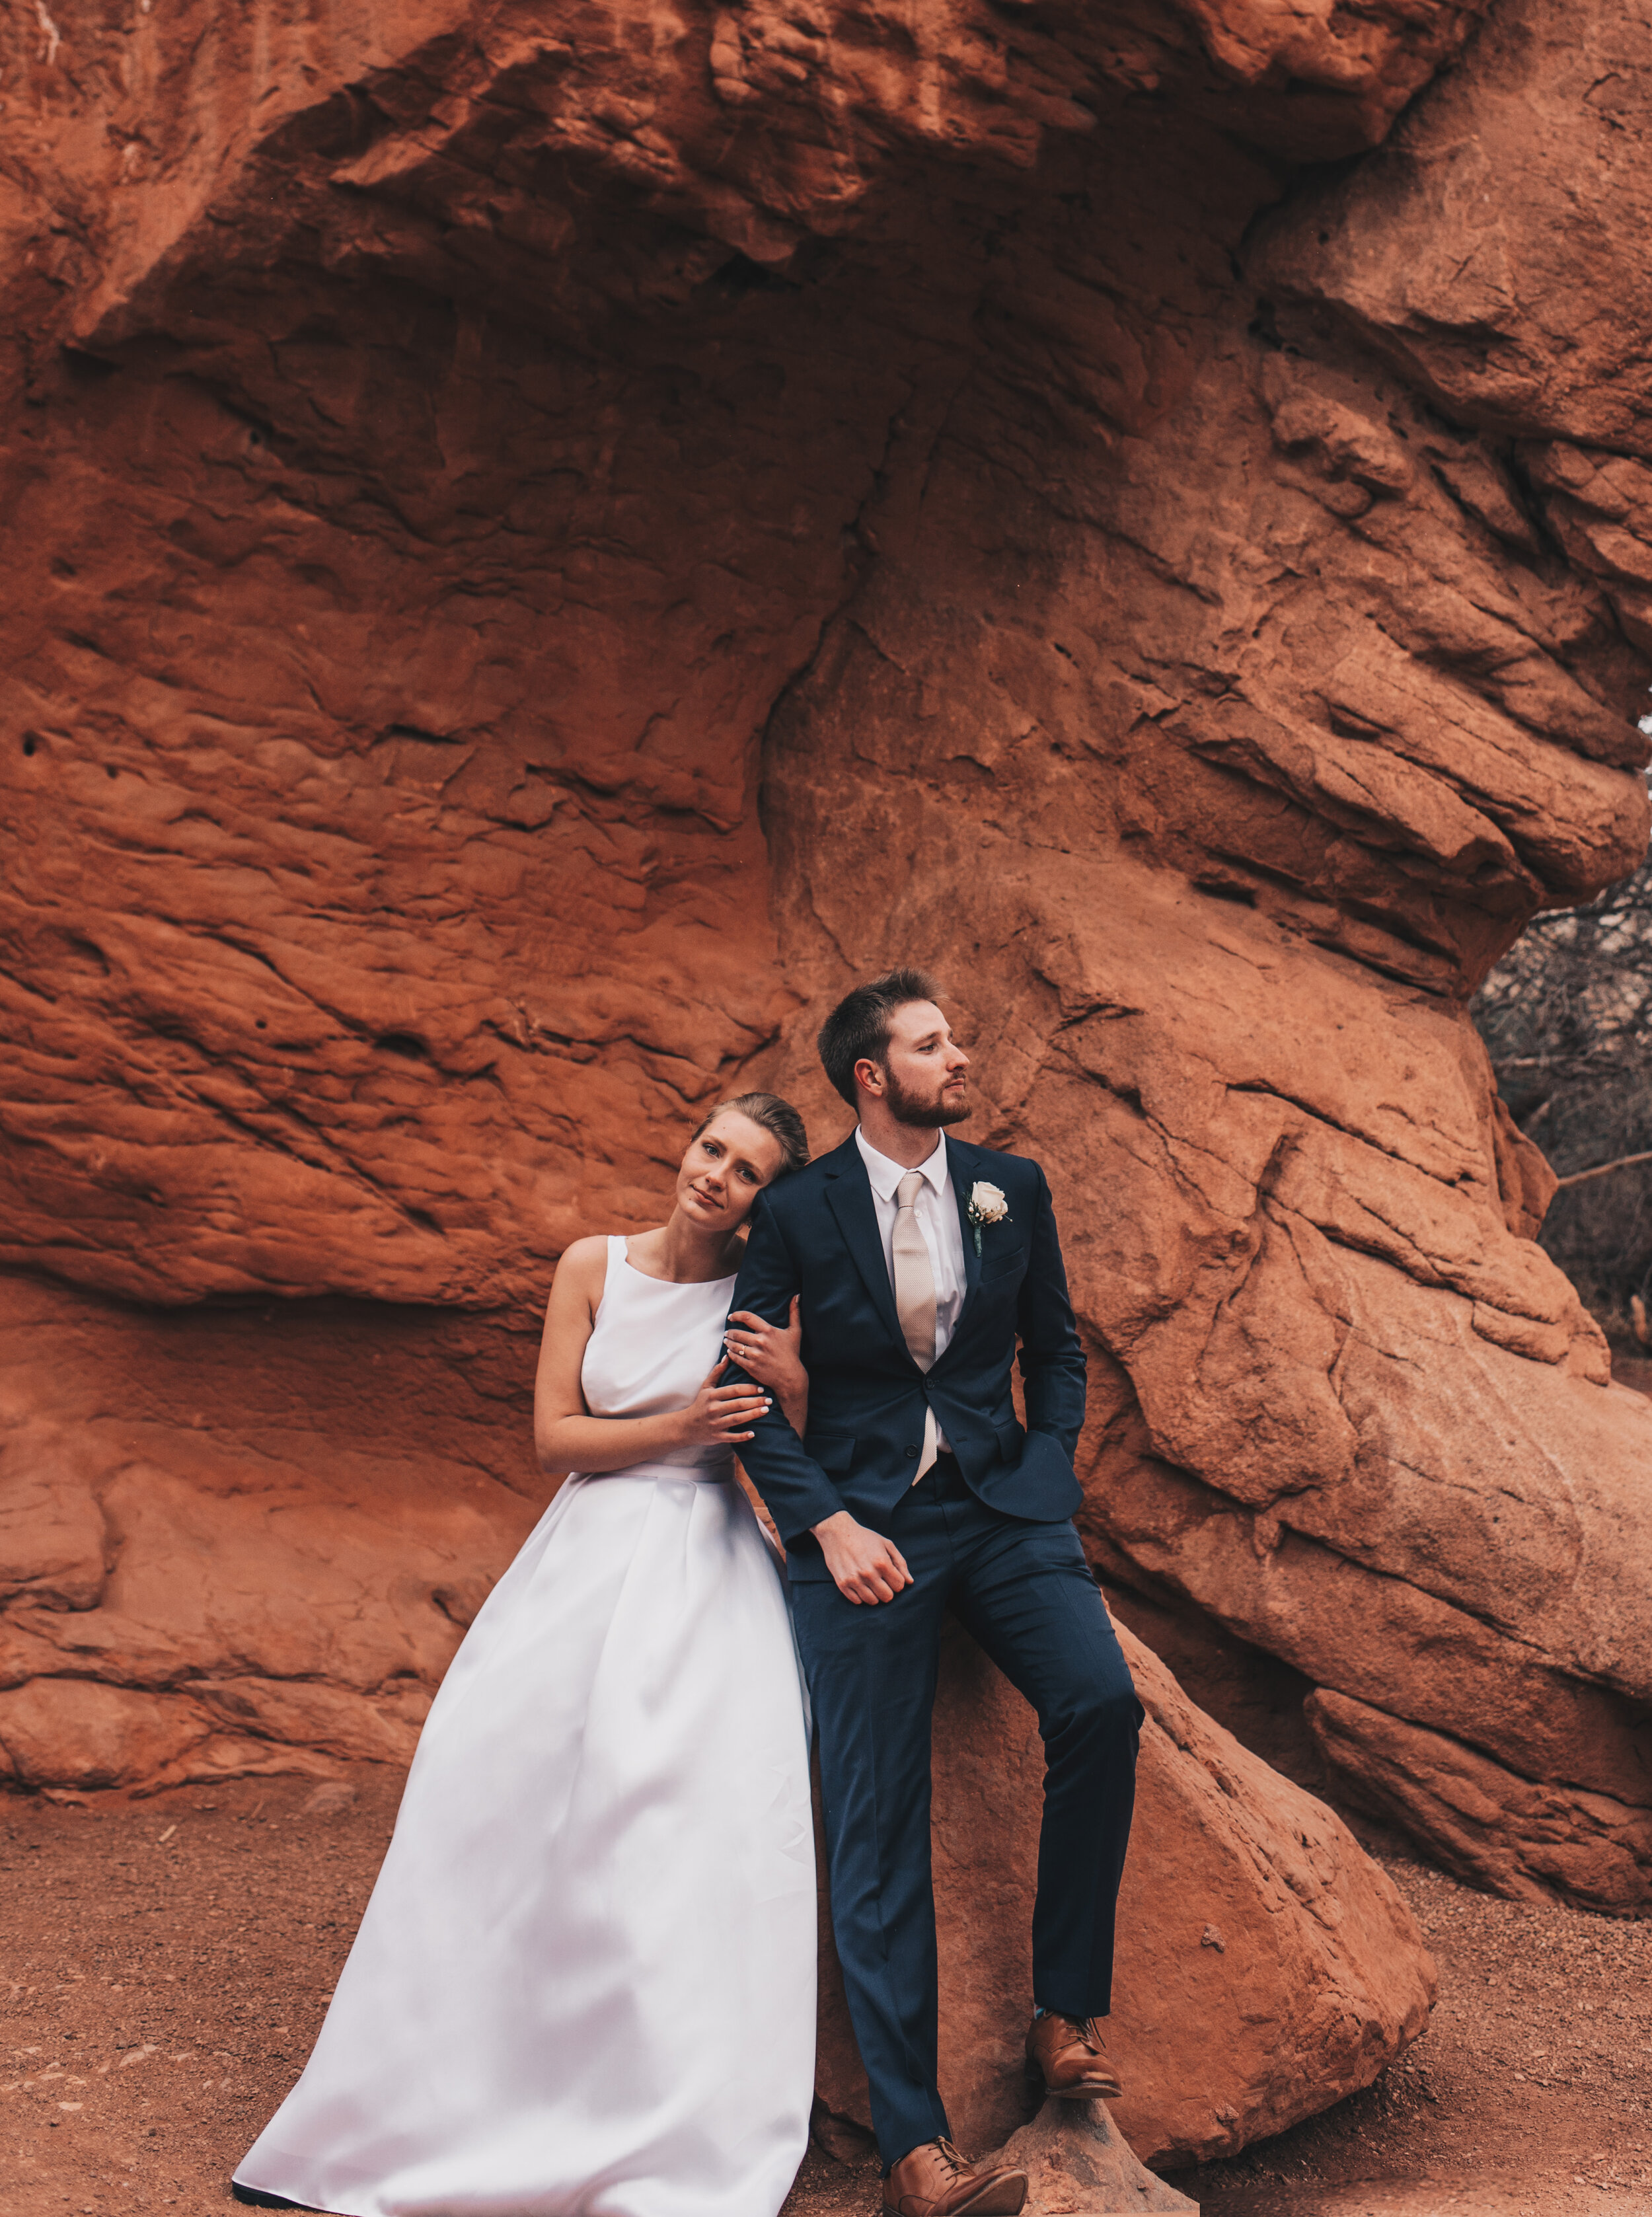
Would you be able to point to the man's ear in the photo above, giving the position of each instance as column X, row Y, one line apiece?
column 869, row 1077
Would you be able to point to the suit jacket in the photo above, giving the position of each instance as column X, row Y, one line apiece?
column 815, row 1234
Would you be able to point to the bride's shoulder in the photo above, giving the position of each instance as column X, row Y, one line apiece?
column 584, row 1264
column 582, row 1253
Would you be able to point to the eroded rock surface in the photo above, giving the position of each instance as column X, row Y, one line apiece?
column 244, row 1539
column 545, row 538
column 1217, row 738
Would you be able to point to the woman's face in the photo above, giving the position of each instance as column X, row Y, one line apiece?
column 724, row 1170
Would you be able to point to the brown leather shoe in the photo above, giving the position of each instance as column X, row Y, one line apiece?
column 934, row 2181
column 1067, row 2053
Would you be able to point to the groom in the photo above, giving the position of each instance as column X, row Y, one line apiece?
column 920, row 1261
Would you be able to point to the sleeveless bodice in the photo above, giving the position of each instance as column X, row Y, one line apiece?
column 650, row 1349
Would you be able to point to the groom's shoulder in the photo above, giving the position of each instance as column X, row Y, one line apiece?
column 998, row 1164
column 803, row 1189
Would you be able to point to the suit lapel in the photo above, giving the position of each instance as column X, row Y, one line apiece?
column 848, row 1191
column 962, row 1163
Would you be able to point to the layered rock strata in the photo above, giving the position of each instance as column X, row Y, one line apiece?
column 243, row 1540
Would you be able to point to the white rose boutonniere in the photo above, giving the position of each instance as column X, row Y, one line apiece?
column 987, row 1205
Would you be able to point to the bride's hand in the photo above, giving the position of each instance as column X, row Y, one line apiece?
column 718, row 1415
column 770, row 1353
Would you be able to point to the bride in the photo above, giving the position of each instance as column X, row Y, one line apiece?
column 584, row 1985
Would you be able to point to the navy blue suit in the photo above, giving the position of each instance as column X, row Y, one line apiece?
column 988, row 1533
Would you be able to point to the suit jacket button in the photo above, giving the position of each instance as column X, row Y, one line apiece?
column 911, row 1454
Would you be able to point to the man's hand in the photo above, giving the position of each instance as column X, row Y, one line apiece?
column 866, row 1566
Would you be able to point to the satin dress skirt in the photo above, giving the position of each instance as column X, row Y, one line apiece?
column 584, row 1985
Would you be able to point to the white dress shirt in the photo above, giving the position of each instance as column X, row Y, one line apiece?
column 937, row 1221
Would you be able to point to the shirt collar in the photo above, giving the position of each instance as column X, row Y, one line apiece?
column 886, row 1176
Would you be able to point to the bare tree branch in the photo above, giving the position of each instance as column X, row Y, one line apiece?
column 1602, row 1170
column 1567, row 1020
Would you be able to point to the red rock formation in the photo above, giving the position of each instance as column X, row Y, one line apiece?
column 243, row 1540
column 1231, row 758
column 546, row 537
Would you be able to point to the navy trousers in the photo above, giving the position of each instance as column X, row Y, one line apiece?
column 1026, row 1595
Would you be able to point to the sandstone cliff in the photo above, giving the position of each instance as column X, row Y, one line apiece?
column 543, row 538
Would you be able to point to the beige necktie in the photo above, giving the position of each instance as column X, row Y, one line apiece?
column 914, row 1295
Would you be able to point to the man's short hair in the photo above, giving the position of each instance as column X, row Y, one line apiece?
column 858, row 1028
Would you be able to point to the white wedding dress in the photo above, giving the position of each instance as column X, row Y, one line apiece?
column 584, row 1985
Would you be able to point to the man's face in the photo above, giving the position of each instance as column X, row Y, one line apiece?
column 923, row 1079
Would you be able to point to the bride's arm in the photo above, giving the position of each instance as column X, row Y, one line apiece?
column 566, row 1436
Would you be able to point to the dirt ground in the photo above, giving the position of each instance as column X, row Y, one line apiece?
column 164, row 1965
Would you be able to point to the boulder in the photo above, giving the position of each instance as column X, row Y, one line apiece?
column 1483, row 1819
column 1265, row 1965
column 78, row 1733
column 1076, row 2160
column 67, row 1734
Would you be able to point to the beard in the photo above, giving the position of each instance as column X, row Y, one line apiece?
column 924, row 1112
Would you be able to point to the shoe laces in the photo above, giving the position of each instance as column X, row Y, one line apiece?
column 949, row 2155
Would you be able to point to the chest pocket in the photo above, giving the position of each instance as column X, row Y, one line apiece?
column 1000, row 1266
